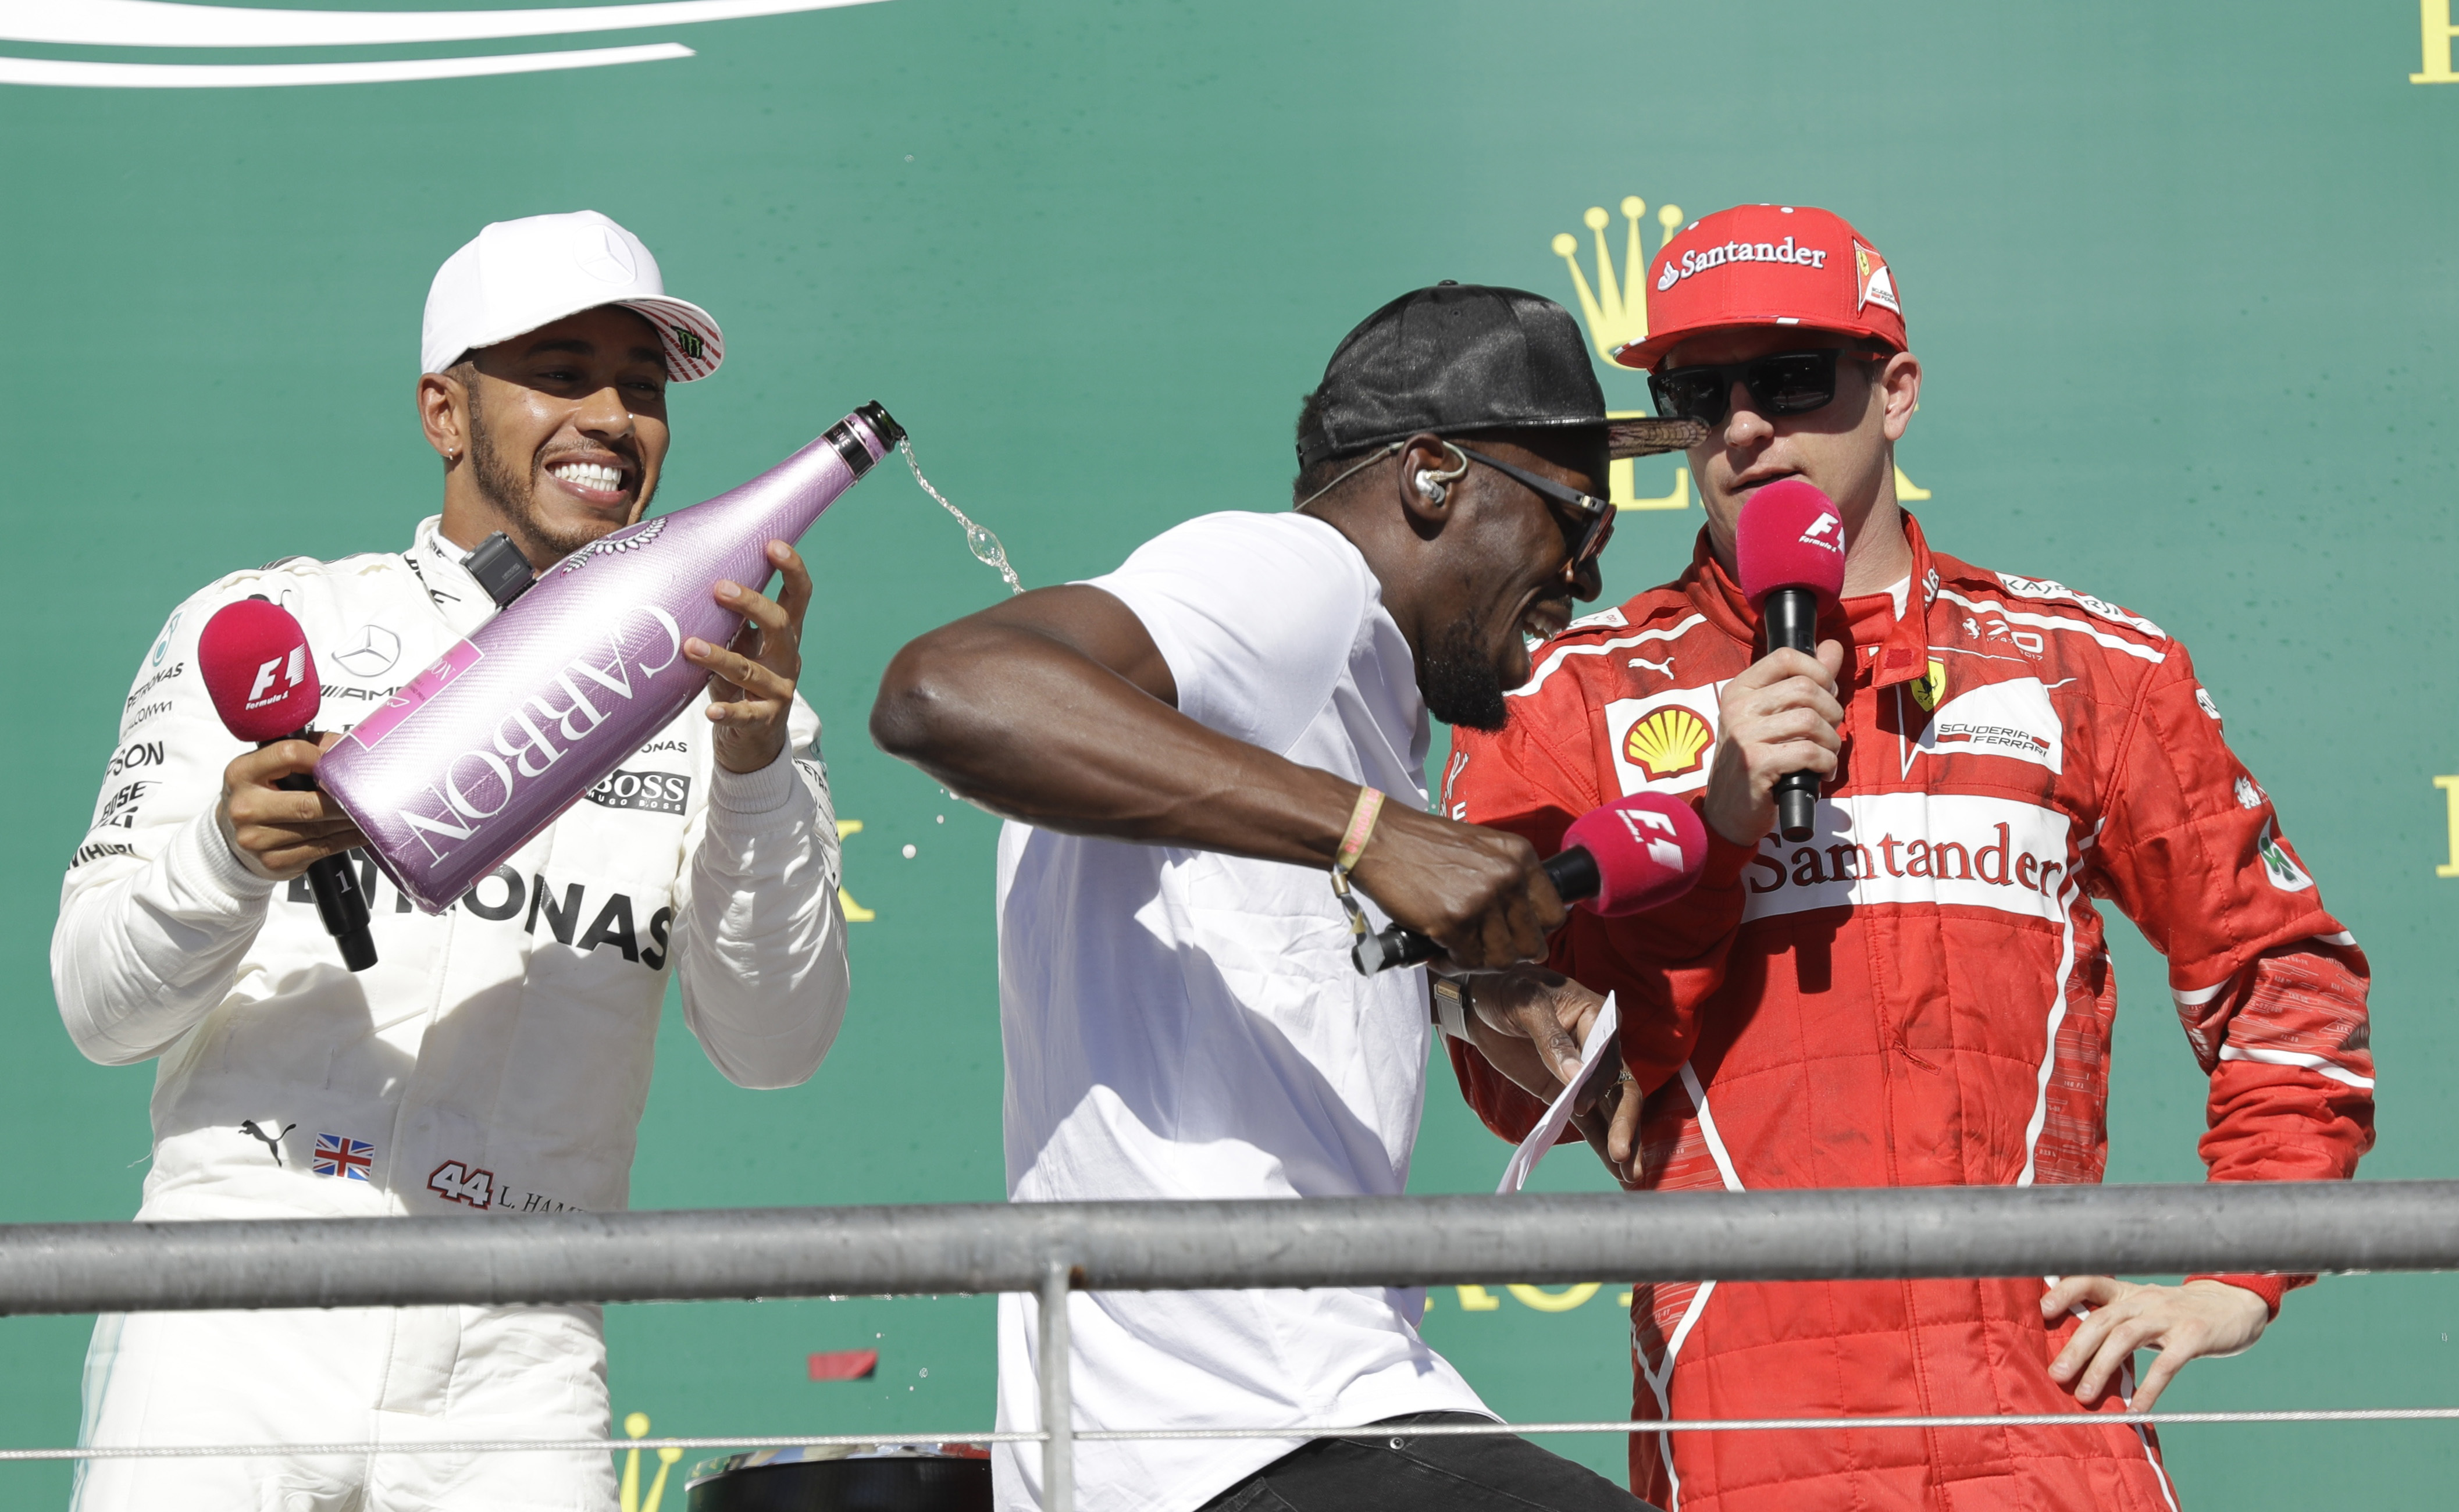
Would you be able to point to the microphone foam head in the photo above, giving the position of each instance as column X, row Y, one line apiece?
column 1648, row 848
column 257, row 667
column 1789, row 536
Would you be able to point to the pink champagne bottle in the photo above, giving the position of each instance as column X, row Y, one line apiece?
column 491, row 743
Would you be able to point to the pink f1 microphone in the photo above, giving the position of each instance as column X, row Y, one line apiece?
column 1789, row 548
column 257, row 670
column 1632, row 855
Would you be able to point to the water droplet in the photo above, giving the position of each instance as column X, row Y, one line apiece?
column 908, row 853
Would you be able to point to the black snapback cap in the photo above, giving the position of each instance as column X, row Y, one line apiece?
column 1465, row 357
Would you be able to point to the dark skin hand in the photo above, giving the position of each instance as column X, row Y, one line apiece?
column 1056, row 708
column 1529, row 1022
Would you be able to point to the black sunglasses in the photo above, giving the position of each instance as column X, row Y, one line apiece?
column 1597, row 513
column 1788, row 383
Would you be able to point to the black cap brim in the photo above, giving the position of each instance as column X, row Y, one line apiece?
column 1646, row 435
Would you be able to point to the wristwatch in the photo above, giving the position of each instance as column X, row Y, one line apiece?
column 1451, row 1006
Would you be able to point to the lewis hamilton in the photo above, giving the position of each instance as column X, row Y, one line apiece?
column 494, row 1062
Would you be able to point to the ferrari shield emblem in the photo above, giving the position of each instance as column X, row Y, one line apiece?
column 1930, row 687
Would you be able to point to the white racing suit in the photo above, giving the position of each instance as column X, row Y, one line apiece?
column 492, row 1063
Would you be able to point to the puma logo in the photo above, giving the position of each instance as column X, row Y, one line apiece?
column 1663, row 668
column 272, row 1142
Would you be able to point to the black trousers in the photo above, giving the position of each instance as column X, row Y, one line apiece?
column 1479, row 1473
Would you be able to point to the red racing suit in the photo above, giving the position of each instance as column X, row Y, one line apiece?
column 1920, row 996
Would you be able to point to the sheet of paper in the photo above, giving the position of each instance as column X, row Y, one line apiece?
column 1549, row 1129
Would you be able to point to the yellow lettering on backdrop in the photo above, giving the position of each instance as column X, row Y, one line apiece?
column 1477, row 1299
column 2438, row 35
column 2450, row 787
column 1562, row 1301
column 854, row 913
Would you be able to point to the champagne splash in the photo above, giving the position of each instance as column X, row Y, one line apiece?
column 984, row 545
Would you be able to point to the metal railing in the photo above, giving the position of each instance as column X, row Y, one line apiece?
column 1049, row 1250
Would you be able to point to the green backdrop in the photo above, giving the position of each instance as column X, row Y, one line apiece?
column 2179, row 274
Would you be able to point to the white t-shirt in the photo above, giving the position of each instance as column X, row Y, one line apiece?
column 1185, row 1025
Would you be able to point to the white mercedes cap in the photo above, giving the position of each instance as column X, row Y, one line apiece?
column 519, row 275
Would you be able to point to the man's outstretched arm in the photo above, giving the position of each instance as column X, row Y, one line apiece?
column 1057, row 708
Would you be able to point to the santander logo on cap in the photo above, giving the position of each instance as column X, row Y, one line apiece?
column 1757, row 265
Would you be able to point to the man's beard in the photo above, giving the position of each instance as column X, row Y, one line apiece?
column 1460, row 682
column 513, row 493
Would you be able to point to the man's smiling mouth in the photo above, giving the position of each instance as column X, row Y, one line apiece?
column 1544, row 619
column 599, row 480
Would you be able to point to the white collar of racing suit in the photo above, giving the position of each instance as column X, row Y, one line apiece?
column 456, row 595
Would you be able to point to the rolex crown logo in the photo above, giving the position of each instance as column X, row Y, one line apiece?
column 1617, row 309
column 636, row 1425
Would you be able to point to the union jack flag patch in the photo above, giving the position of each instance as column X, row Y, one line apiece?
column 340, row 1155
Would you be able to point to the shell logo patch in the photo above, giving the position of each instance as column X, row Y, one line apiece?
column 1669, row 743
column 1873, row 283
column 1662, row 742
column 1930, row 687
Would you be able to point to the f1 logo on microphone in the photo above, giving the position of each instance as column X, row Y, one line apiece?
column 292, row 674
column 1825, row 531
column 1665, row 846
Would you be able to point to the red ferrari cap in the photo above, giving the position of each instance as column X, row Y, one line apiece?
column 1767, row 265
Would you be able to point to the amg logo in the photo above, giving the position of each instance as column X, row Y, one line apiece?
column 96, row 852
column 141, row 753
column 657, row 792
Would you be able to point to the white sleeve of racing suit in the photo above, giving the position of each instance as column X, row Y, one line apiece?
column 156, row 912
column 759, row 935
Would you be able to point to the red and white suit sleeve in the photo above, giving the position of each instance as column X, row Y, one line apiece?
column 1663, row 967
column 2271, row 988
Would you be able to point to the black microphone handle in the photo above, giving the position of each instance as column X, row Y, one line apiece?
column 1573, row 873
column 344, row 907
column 1790, row 621
column 340, row 902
